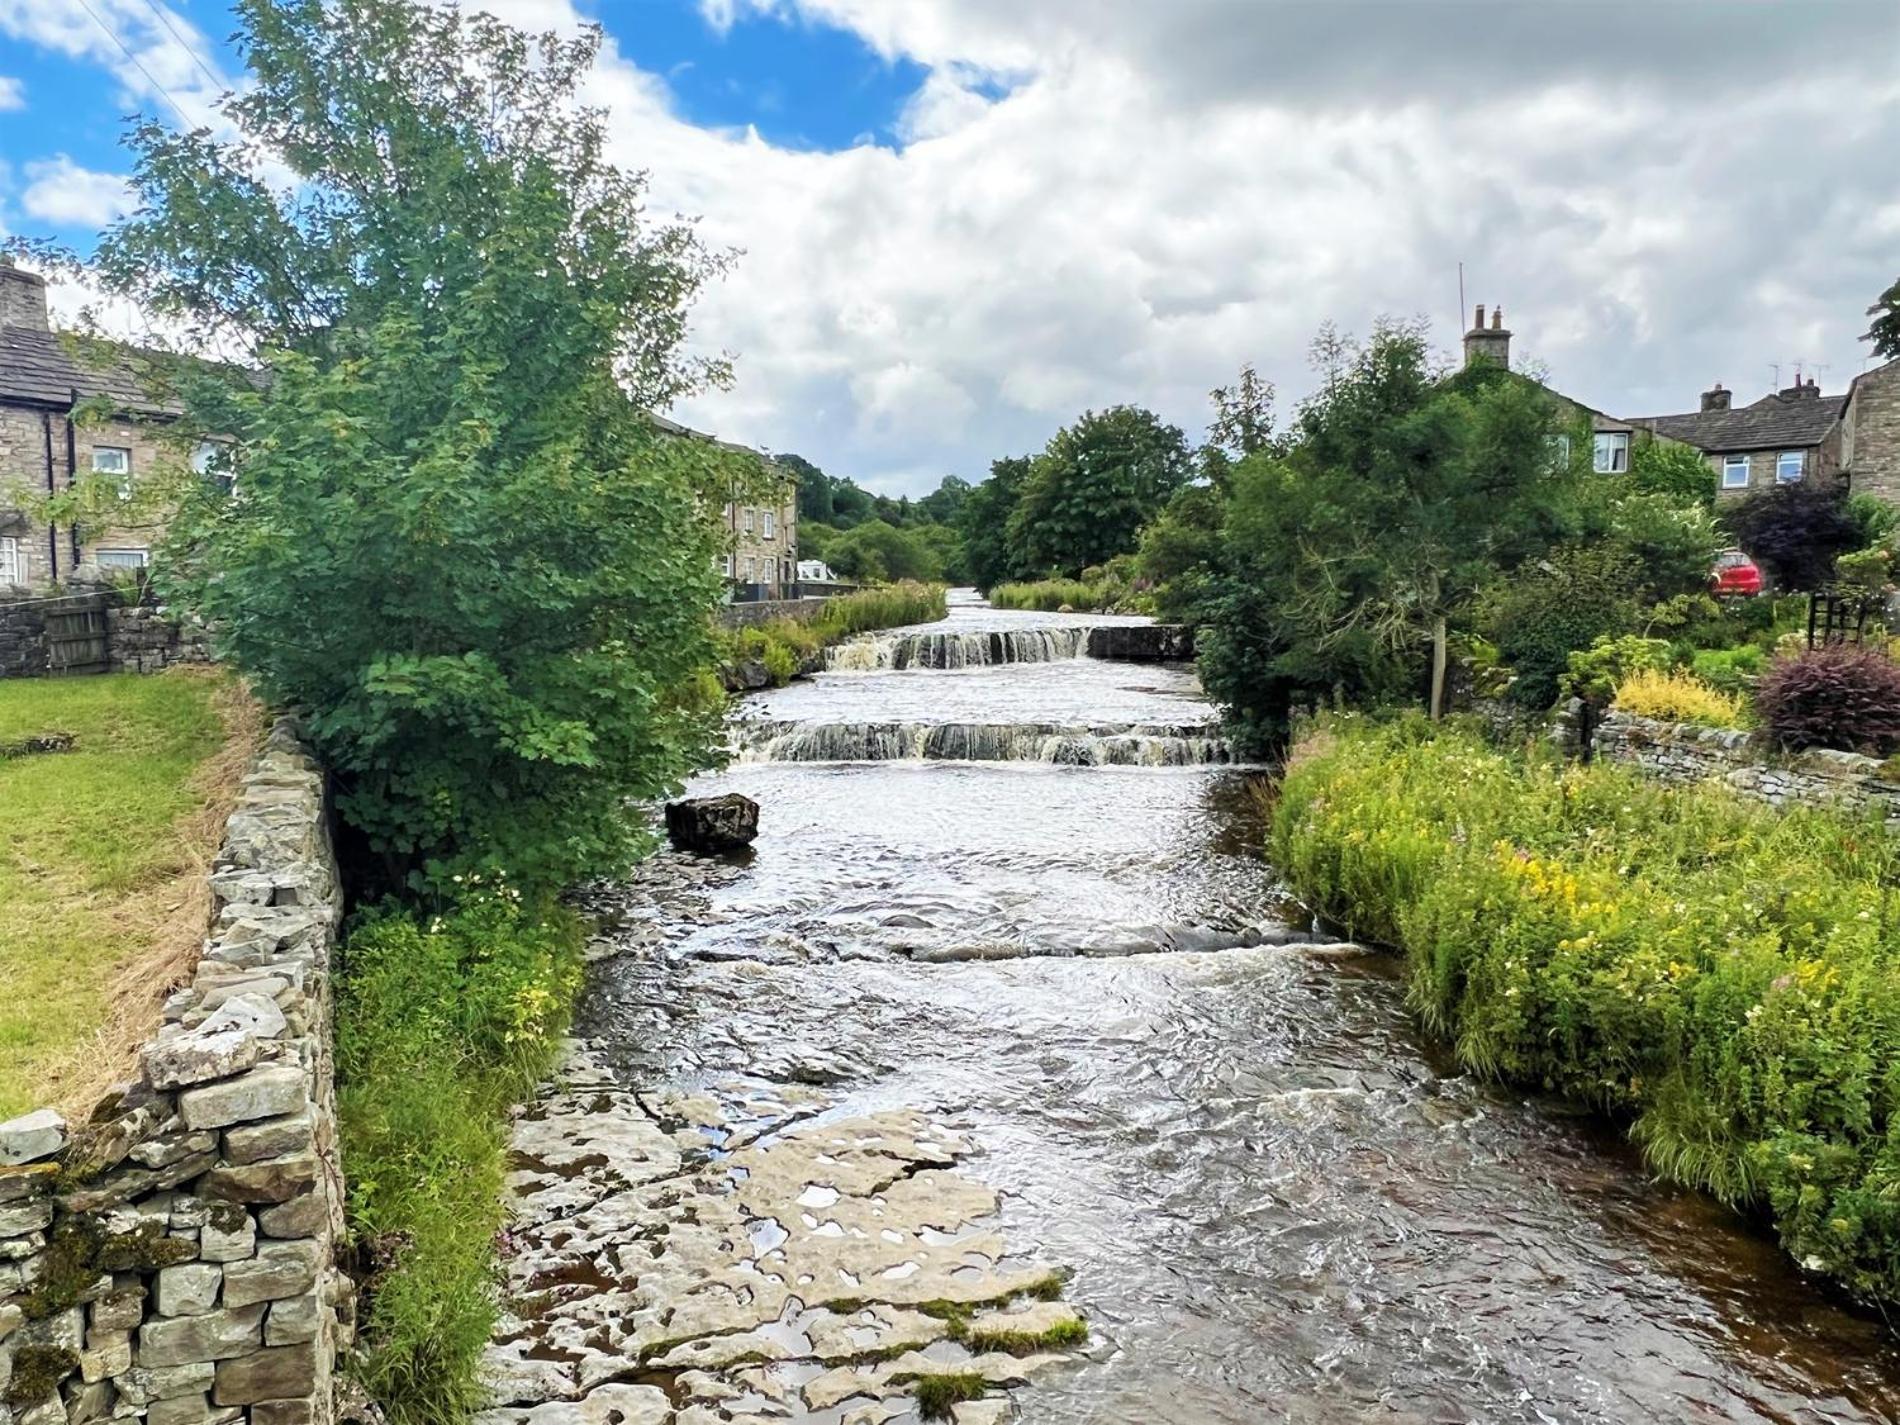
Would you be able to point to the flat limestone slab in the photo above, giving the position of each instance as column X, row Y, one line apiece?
column 770, row 1262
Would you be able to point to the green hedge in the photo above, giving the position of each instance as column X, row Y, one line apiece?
column 442, row 1024
column 1721, row 975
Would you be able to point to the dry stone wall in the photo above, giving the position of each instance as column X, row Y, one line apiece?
column 173, row 1258
column 1681, row 753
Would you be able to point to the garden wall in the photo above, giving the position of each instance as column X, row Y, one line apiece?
column 173, row 1259
column 1679, row 752
column 93, row 632
column 765, row 610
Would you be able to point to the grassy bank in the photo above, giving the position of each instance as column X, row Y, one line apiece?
column 786, row 645
column 442, row 1024
column 1052, row 595
column 101, row 850
column 1722, row 976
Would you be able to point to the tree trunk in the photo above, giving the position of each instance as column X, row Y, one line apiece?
column 1438, row 669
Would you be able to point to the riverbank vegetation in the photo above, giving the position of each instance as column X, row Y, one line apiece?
column 103, row 849
column 1717, row 973
column 785, row 647
column 443, row 1022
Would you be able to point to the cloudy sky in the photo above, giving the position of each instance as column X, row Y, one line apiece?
column 965, row 221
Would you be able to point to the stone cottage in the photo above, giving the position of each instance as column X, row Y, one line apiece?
column 1787, row 436
column 45, row 447
column 761, row 561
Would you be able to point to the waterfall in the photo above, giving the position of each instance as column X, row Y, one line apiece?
column 1129, row 745
column 951, row 651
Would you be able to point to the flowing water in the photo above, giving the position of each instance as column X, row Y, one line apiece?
column 1278, row 1201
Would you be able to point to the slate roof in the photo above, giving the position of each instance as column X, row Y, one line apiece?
column 1772, row 423
column 45, row 368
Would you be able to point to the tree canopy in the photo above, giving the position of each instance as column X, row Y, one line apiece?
column 1093, row 487
column 456, row 543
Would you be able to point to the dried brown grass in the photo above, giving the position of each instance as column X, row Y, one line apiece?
column 167, row 920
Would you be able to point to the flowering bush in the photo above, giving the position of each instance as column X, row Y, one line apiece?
column 1725, row 975
column 1833, row 697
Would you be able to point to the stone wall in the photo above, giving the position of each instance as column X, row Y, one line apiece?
column 134, row 638
column 1871, row 435
column 173, row 1258
column 765, row 610
column 1680, row 753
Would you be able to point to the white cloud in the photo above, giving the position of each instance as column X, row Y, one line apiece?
column 59, row 191
column 12, row 94
column 173, row 56
column 1659, row 195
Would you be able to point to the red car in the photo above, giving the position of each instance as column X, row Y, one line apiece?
column 1735, row 575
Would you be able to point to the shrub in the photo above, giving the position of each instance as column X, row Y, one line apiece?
column 1730, row 669
column 1676, row 696
column 441, row 1024
column 1795, row 531
column 1722, row 974
column 1543, row 613
column 1593, row 673
column 1833, row 697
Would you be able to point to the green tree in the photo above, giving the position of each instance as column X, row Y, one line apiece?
column 944, row 504
column 984, row 522
column 1181, row 552
column 456, row 543
column 814, row 489
column 1092, row 489
column 1884, row 333
column 877, row 551
column 1350, row 556
column 1679, row 472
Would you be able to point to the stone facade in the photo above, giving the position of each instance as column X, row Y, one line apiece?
column 45, row 446
column 1680, row 753
column 173, row 1259
column 765, row 542
column 1870, row 446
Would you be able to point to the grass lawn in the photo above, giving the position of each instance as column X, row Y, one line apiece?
column 100, row 848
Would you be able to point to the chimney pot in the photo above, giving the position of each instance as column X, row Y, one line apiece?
column 22, row 299
column 1492, row 343
column 1497, row 319
column 1477, row 322
column 1715, row 398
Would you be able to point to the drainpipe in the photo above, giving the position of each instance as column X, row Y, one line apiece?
column 52, row 529
column 72, row 465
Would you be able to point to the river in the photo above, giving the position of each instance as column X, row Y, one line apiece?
column 1060, row 953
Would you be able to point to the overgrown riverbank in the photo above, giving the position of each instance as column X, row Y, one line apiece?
column 775, row 652
column 443, row 1023
column 1722, row 975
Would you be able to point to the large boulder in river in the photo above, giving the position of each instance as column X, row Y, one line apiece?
column 710, row 825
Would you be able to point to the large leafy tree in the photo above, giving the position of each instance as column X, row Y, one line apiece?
column 984, row 521
column 456, row 543
column 1092, row 489
column 1349, row 556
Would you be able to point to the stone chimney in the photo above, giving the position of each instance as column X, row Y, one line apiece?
column 1715, row 398
column 22, row 298
column 1492, row 343
column 1800, row 391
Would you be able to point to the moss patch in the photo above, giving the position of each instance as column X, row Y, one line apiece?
column 37, row 1372
column 940, row 1393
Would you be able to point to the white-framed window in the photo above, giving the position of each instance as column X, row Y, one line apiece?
column 122, row 558
column 729, row 508
column 1735, row 472
column 726, row 565
column 751, row 571
column 12, row 561
column 1611, row 454
column 111, row 460
column 1559, row 446
column 771, row 524
column 748, row 519
column 1790, row 466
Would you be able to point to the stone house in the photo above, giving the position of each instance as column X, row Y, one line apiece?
column 45, row 447
column 1870, row 433
column 1787, row 436
column 761, row 560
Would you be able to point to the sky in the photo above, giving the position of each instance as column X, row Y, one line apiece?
column 963, row 222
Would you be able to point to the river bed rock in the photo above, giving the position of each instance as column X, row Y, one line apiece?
column 753, row 1258
column 712, row 825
